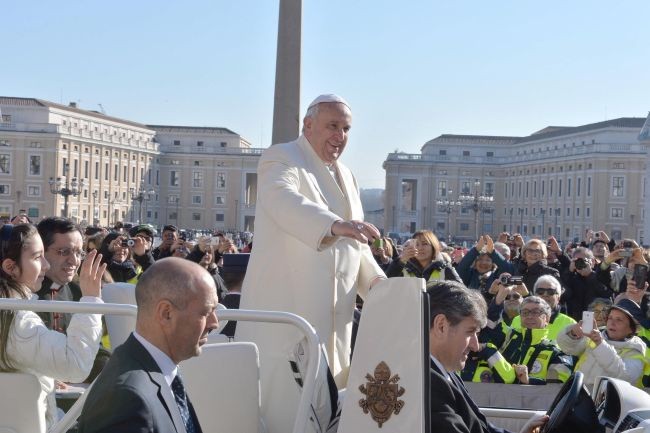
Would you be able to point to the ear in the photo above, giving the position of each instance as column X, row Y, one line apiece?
column 10, row 267
column 307, row 124
column 440, row 325
column 164, row 312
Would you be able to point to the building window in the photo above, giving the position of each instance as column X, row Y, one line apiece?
column 618, row 186
column 173, row 216
column 86, row 168
column 34, row 165
column 32, row 212
column 568, row 211
column 196, row 216
column 219, row 200
column 5, row 163
column 442, row 152
column 174, row 179
column 442, row 188
column 172, row 199
column 464, row 227
column 550, row 188
column 219, row 217
column 489, row 188
column 589, row 186
column 96, row 170
column 489, row 154
column 116, row 173
column 221, row 180
column 464, row 188
column 177, row 142
column 588, row 212
column 577, row 212
column 196, row 199
column 33, row 191
column 465, row 152
column 568, row 187
column 5, row 190
column 617, row 212
column 224, row 144
column 578, row 185
column 618, row 165
column 197, row 179
column 505, row 190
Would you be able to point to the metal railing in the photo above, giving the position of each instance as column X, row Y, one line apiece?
column 303, row 326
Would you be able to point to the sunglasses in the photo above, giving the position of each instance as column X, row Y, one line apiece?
column 513, row 297
column 542, row 291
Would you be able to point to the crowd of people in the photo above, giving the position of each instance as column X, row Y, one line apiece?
column 536, row 293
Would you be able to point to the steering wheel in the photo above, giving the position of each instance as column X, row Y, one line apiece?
column 563, row 403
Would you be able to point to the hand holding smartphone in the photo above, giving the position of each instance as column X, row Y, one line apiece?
column 587, row 322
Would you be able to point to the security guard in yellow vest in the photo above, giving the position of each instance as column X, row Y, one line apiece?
column 526, row 355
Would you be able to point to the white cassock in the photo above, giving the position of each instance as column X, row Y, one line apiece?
column 297, row 266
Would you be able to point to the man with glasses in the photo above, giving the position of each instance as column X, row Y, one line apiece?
column 64, row 252
column 526, row 355
column 549, row 289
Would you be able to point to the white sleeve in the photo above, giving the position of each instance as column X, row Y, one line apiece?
column 628, row 369
column 32, row 346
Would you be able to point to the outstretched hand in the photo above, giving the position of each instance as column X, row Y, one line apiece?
column 359, row 230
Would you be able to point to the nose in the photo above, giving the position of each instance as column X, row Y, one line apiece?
column 473, row 342
column 213, row 321
column 45, row 265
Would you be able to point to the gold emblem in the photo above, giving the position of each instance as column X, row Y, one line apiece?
column 381, row 394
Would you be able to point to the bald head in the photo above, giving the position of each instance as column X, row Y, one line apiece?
column 173, row 279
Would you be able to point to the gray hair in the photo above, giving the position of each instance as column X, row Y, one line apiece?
column 456, row 302
column 503, row 249
column 537, row 301
column 586, row 251
column 312, row 111
column 551, row 281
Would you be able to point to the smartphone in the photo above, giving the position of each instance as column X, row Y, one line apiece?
column 378, row 243
column 640, row 275
column 587, row 322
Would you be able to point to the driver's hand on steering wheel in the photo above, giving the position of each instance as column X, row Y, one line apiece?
column 534, row 424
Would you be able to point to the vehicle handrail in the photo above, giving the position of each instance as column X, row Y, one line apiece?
column 240, row 315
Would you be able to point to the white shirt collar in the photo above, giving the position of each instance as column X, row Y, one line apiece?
column 441, row 368
column 165, row 363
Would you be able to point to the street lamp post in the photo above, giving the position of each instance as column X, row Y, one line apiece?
column 477, row 202
column 448, row 205
column 511, row 209
column 140, row 195
column 112, row 203
column 67, row 189
column 95, row 194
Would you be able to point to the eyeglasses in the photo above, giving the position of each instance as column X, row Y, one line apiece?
column 65, row 252
column 513, row 296
column 541, row 291
column 531, row 313
column 532, row 251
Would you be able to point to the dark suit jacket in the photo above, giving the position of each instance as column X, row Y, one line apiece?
column 231, row 301
column 452, row 409
column 131, row 396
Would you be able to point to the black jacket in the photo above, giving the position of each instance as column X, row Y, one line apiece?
column 413, row 267
column 531, row 273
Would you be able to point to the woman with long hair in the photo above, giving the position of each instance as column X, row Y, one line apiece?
column 421, row 257
column 26, row 344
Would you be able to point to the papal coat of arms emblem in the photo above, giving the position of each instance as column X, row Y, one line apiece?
column 382, row 392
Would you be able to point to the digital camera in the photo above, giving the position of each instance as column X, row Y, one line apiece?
column 580, row 264
column 126, row 243
column 511, row 280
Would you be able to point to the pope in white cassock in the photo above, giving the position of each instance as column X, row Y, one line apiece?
column 310, row 254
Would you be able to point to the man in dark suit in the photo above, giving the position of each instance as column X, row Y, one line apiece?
column 457, row 316
column 140, row 389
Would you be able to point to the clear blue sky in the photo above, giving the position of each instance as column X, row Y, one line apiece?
column 411, row 70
